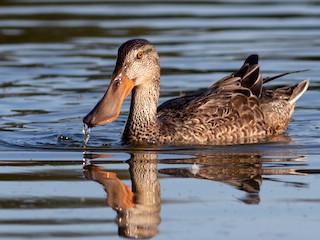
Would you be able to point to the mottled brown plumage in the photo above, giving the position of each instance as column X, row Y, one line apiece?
column 236, row 109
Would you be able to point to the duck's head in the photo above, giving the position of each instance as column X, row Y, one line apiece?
column 137, row 64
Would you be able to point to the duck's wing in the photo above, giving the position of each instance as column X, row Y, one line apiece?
column 247, row 77
column 224, row 112
column 223, row 115
column 234, row 109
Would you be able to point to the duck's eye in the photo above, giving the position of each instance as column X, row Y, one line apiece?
column 140, row 54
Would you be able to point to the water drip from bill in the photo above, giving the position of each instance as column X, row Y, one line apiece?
column 86, row 133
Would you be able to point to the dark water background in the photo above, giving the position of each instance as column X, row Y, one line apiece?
column 56, row 57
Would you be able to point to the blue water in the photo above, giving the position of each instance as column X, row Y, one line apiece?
column 56, row 58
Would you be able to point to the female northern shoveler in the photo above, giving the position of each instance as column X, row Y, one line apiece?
column 236, row 109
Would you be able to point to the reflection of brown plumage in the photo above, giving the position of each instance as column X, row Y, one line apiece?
column 138, row 211
column 236, row 109
column 242, row 171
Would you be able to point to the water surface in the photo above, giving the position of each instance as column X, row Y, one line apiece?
column 56, row 58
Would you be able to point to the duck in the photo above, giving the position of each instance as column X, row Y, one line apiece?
column 236, row 109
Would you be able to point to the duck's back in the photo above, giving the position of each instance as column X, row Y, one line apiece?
column 214, row 117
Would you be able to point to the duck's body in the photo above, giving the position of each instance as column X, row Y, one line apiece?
column 236, row 109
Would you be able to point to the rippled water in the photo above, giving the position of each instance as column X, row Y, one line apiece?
column 56, row 57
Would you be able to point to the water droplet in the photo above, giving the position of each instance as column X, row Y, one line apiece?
column 194, row 169
column 86, row 133
column 86, row 162
column 62, row 138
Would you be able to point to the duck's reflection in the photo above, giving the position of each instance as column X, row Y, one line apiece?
column 242, row 171
column 138, row 210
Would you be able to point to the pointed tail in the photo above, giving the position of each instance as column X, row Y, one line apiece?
column 299, row 89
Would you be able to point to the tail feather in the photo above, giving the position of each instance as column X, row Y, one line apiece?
column 250, row 75
column 298, row 91
column 268, row 79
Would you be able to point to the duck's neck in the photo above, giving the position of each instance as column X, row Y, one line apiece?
column 142, row 117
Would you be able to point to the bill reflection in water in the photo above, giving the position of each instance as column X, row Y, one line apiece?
column 138, row 210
